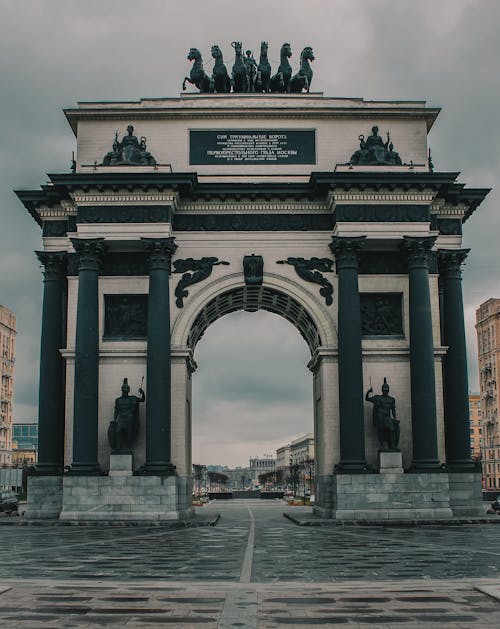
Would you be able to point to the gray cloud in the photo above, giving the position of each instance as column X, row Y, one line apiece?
column 56, row 52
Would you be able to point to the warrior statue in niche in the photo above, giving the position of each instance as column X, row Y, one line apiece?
column 124, row 428
column 384, row 417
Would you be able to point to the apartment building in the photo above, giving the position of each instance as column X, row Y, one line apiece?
column 7, row 360
column 488, row 342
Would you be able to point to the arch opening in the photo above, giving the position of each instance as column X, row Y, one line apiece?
column 252, row 299
column 252, row 394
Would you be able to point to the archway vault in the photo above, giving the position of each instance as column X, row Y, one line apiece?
column 251, row 299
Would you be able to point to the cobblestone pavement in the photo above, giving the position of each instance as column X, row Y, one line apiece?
column 254, row 569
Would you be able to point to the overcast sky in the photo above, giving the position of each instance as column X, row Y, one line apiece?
column 54, row 53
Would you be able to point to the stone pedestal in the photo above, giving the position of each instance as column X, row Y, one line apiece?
column 45, row 497
column 466, row 494
column 127, row 498
column 392, row 496
column 390, row 462
column 120, row 464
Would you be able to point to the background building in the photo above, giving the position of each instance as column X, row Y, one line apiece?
column 7, row 359
column 476, row 428
column 24, row 444
column 488, row 343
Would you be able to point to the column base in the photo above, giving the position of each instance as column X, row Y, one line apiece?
column 47, row 469
column 353, row 467
column 84, row 469
column 426, row 465
column 160, row 468
column 462, row 465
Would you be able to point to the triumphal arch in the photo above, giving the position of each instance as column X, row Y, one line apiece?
column 326, row 211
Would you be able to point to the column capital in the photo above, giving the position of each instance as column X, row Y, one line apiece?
column 54, row 263
column 90, row 252
column 160, row 252
column 418, row 250
column 450, row 262
column 345, row 249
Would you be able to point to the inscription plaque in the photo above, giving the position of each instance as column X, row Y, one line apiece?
column 252, row 146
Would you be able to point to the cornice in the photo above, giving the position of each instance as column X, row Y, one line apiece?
column 238, row 207
column 400, row 197
column 94, row 197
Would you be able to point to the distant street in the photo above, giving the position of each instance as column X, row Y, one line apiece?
column 255, row 564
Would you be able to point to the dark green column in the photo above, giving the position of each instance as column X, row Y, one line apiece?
column 423, row 380
column 350, row 364
column 158, row 402
column 86, row 389
column 456, row 408
column 51, row 383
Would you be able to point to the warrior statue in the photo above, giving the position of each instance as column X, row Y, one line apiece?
column 384, row 417
column 124, row 428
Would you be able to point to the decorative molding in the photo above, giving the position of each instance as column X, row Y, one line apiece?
column 232, row 206
column 253, row 222
column 363, row 196
column 125, row 317
column 124, row 197
column 53, row 212
column 309, row 270
column 381, row 314
column 201, row 270
column 381, row 213
column 124, row 214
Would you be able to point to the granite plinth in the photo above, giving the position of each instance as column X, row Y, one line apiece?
column 120, row 464
column 45, row 496
column 126, row 498
column 391, row 496
column 390, row 462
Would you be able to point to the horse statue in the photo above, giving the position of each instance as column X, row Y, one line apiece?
column 302, row 80
column 263, row 70
column 280, row 82
column 197, row 76
column 239, row 78
column 220, row 77
column 124, row 427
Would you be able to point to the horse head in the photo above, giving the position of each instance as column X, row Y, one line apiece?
column 263, row 48
column 216, row 52
column 307, row 53
column 237, row 45
column 194, row 54
column 286, row 50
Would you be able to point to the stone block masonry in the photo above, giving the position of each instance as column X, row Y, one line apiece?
column 124, row 498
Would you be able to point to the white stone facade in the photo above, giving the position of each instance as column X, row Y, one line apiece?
column 337, row 123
